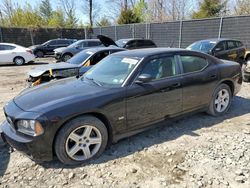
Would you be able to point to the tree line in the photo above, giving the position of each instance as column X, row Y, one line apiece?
column 66, row 14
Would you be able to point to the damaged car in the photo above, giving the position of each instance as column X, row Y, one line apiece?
column 76, row 66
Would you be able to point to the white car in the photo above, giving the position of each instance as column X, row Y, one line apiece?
column 12, row 53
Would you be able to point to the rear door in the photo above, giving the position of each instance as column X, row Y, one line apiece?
column 198, row 80
column 220, row 50
column 51, row 46
column 158, row 99
column 232, row 51
column 7, row 53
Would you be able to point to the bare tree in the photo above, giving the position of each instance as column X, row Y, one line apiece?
column 242, row 7
column 91, row 9
column 7, row 8
column 69, row 8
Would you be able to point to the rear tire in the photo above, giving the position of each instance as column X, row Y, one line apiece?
column 66, row 57
column 81, row 140
column 19, row 61
column 221, row 100
column 39, row 54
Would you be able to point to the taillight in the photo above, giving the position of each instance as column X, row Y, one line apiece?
column 30, row 51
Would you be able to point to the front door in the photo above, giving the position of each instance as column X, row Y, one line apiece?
column 158, row 99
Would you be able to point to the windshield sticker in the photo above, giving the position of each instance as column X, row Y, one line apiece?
column 90, row 53
column 129, row 61
column 115, row 80
column 212, row 42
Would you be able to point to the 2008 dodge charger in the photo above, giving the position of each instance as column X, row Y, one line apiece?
column 76, row 119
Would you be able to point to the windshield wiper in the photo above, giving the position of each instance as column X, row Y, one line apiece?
column 95, row 81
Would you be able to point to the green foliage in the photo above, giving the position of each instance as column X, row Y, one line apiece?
column 71, row 21
column 128, row 17
column 140, row 10
column 103, row 22
column 46, row 10
column 26, row 17
column 210, row 8
column 57, row 19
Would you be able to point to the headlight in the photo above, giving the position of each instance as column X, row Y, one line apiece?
column 30, row 127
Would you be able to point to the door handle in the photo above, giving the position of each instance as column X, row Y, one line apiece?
column 213, row 76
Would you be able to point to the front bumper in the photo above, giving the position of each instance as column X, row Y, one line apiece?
column 58, row 56
column 34, row 148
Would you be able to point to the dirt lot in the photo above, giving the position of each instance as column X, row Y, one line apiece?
column 197, row 151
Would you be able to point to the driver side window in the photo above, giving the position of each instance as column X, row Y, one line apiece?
column 160, row 68
column 220, row 47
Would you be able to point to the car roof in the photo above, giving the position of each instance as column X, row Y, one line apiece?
column 148, row 52
column 4, row 43
column 128, row 39
column 89, row 40
column 218, row 40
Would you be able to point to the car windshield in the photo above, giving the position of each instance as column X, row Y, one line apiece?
column 80, row 57
column 121, row 43
column 75, row 44
column 44, row 44
column 202, row 46
column 112, row 71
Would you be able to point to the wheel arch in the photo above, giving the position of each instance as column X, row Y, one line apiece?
column 230, row 83
column 18, row 57
column 97, row 115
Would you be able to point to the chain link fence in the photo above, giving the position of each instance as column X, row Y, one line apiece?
column 167, row 34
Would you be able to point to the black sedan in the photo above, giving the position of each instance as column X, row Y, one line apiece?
column 125, row 93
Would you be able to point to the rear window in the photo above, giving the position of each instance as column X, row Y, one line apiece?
column 145, row 43
column 193, row 63
column 231, row 45
column 239, row 44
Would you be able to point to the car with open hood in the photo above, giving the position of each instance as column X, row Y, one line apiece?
column 47, row 48
column 75, row 66
column 227, row 49
column 127, row 92
column 65, row 53
column 130, row 43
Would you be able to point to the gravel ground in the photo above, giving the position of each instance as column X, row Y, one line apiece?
column 197, row 151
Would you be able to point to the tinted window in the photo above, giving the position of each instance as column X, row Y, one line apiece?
column 131, row 44
column 239, row 44
column 121, row 43
column 98, row 57
column 220, row 47
column 52, row 43
column 160, row 68
column 145, row 43
column 83, row 44
column 7, row 47
column 231, row 44
column 193, row 63
column 94, row 43
column 62, row 42
column 80, row 57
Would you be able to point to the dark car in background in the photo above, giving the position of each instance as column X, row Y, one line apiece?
column 130, row 44
column 122, row 95
column 64, row 54
column 75, row 66
column 227, row 49
column 48, row 47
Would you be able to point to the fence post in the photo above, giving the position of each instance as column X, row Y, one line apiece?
column 115, row 33
column 100, row 30
column 180, row 34
column 146, row 31
column 220, row 29
column 149, row 31
column 31, row 37
column 133, row 31
column 85, row 33
column 1, row 35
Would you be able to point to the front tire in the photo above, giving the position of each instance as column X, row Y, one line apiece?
column 39, row 54
column 66, row 57
column 81, row 140
column 19, row 61
column 221, row 100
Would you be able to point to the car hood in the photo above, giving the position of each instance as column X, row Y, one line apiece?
column 106, row 41
column 48, row 96
column 40, row 70
column 60, row 49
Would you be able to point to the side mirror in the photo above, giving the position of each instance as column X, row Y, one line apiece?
column 143, row 78
column 77, row 47
column 217, row 49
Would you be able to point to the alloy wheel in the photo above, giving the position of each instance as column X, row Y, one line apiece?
column 83, row 143
column 222, row 100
